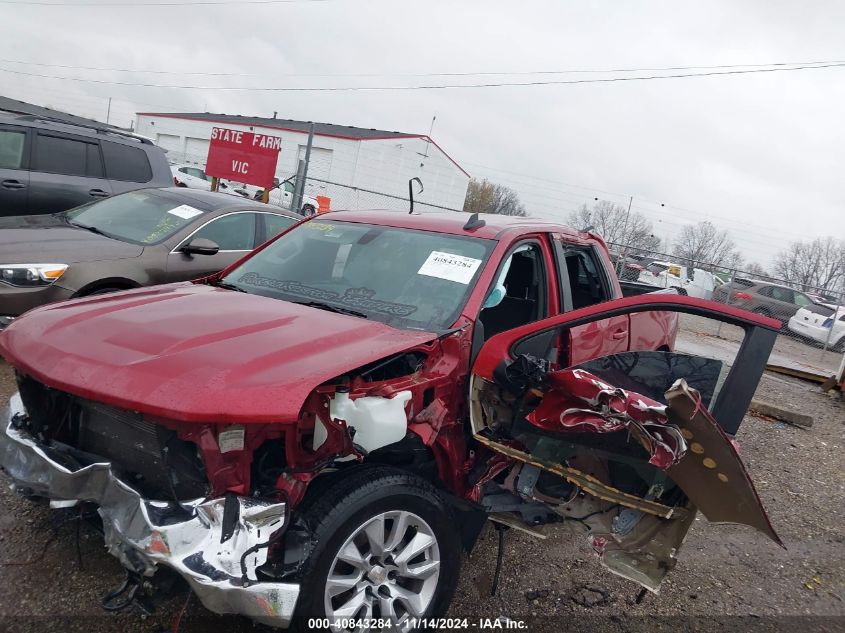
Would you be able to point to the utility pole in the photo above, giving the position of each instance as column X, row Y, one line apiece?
column 108, row 112
column 428, row 141
column 302, row 172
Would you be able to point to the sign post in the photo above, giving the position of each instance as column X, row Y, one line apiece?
column 243, row 157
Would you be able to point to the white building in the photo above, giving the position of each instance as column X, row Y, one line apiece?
column 347, row 163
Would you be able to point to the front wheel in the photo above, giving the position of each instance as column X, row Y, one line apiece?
column 384, row 547
column 308, row 210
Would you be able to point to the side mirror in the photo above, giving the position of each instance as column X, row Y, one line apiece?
column 200, row 246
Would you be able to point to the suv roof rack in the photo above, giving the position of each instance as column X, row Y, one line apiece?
column 28, row 116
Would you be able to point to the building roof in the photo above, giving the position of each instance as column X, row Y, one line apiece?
column 22, row 107
column 289, row 125
column 320, row 129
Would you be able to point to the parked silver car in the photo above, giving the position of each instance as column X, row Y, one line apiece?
column 762, row 297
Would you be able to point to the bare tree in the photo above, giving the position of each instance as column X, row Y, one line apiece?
column 819, row 263
column 703, row 245
column 484, row 196
column 756, row 270
column 612, row 221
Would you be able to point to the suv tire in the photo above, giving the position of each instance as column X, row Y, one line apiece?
column 401, row 549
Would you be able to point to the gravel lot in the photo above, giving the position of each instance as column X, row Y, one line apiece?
column 728, row 577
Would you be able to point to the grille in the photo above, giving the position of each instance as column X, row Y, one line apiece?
column 149, row 456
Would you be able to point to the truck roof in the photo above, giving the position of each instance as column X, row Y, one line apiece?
column 453, row 223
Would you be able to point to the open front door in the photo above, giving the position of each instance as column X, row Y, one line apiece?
column 631, row 444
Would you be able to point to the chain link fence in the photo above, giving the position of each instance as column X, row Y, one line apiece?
column 812, row 333
column 349, row 198
column 333, row 195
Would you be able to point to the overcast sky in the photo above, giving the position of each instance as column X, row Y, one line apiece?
column 761, row 155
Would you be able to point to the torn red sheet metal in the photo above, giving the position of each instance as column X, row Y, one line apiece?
column 579, row 401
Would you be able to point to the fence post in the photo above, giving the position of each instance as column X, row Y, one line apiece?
column 727, row 300
column 298, row 187
column 830, row 331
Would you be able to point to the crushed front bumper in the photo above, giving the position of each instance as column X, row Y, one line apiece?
column 192, row 538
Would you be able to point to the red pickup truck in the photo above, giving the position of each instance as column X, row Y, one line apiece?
column 319, row 429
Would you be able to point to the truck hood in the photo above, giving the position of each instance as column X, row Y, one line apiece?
column 196, row 353
column 51, row 239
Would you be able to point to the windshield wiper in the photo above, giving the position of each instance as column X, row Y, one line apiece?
column 93, row 229
column 332, row 308
column 225, row 285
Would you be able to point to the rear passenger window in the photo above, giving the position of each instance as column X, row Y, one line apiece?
column 781, row 294
column 62, row 155
column 586, row 283
column 802, row 300
column 275, row 224
column 124, row 162
column 11, row 149
column 235, row 232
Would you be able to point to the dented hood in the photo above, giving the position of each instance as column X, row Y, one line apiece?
column 195, row 352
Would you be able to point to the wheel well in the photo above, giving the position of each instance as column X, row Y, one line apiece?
column 119, row 283
column 409, row 454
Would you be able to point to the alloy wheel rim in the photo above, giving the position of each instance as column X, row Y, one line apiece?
column 387, row 569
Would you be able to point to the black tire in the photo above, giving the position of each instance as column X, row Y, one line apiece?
column 308, row 210
column 339, row 510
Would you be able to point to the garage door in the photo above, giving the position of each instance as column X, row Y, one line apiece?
column 196, row 150
column 320, row 166
column 170, row 142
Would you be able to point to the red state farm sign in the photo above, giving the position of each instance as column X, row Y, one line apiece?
column 243, row 156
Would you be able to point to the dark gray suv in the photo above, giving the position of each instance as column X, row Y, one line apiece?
column 47, row 165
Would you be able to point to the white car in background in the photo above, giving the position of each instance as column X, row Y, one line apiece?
column 821, row 324
column 695, row 282
column 194, row 177
column 282, row 196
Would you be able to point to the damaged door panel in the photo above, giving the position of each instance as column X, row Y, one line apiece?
column 626, row 443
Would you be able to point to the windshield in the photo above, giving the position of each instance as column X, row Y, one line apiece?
column 405, row 278
column 141, row 217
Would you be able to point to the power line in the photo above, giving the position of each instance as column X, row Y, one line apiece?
column 434, row 74
column 132, row 5
column 529, row 185
column 426, row 87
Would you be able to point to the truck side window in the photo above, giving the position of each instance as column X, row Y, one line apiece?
column 519, row 294
column 68, row 156
column 586, row 283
